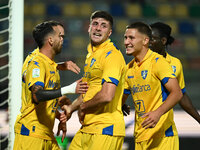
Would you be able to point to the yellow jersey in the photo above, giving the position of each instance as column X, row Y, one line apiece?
column 24, row 69
column 38, row 120
column 104, row 63
column 145, row 81
column 177, row 69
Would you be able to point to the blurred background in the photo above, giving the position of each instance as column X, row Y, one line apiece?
column 182, row 15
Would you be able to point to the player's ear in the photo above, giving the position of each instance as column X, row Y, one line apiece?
column 50, row 41
column 110, row 32
column 146, row 40
column 164, row 40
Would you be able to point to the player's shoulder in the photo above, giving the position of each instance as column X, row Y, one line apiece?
column 113, row 51
column 157, row 58
column 37, row 60
column 174, row 59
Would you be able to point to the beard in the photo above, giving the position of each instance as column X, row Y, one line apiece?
column 57, row 49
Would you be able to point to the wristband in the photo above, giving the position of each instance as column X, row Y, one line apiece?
column 70, row 89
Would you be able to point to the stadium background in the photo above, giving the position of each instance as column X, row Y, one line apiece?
column 182, row 15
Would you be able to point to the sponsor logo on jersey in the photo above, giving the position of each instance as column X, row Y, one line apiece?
column 52, row 72
column 144, row 74
column 52, row 84
column 140, row 88
column 129, row 77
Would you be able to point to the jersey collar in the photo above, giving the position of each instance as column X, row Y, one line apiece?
column 148, row 54
column 168, row 58
column 95, row 48
column 47, row 58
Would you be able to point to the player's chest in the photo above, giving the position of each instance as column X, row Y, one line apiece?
column 140, row 75
column 52, row 77
column 93, row 66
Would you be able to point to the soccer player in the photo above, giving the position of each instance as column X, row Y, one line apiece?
column 155, row 91
column 100, row 113
column 41, row 90
column 161, row 38
column 67, row 65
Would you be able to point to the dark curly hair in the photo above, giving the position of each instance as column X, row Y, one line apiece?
column 42, row 30
column 164, row 31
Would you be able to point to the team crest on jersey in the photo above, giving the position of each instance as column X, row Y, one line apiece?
column 144, row 74
column 174, row 68
column 92, row 62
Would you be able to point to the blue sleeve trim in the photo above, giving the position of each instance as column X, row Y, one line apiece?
column 108, row 130
column 40, row 83
column 169, row 132
column 23, row 80
column 126, row 91
column 165, row 93
column 165, row 80
column 24, row 131
column 103, row 80
column 115, row 81
column 183, row 90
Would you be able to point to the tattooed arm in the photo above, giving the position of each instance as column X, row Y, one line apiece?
column 39, row 94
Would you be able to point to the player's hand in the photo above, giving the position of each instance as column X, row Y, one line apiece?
column 151, row 119
column 126, row 109
column 81, row 87
column 63, row 100
column 69, row 65
column 67, row 109
column 81, row 116
column 62, row 125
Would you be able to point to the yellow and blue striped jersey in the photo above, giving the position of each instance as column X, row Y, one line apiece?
column 145, row 81
column 178, row 70
column 104, row 63
column 38, row 120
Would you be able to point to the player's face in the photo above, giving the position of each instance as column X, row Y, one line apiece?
column 156, row 43
column 133, row 41
column 58, row 39
column 99, row 31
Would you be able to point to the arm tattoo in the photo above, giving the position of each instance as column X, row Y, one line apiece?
column 40, row 95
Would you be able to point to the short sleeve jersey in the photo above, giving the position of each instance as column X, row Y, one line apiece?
column 104, row 63
column 145, row 81
column 24, row 69
column 38, row 119
column 178, row 70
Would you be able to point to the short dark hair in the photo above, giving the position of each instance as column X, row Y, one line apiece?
column 102, row 14
column 41, row 30
column 164, row 31
column 141, row 27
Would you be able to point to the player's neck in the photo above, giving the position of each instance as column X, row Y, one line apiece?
column 140, row 56
column 47, row 52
